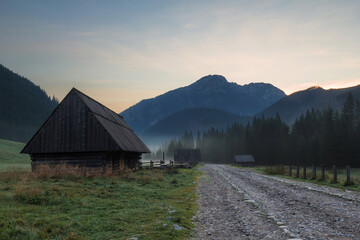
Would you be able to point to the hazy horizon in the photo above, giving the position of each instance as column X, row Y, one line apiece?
column 120, row 52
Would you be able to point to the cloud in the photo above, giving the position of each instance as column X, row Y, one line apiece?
column 342, row 83
column 86, row 34
column 293, row 45
column 190, row 26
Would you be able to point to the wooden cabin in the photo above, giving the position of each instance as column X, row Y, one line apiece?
column 187, row 157
column 244, row 160
column 83, row 133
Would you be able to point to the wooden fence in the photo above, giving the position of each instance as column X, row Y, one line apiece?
column 157, row 164
column 282, row 170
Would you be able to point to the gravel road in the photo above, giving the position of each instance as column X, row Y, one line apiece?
column 242, row 204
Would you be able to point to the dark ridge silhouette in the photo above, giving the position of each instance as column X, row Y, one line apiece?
column 23, row 106
column 194, row 119
column 212, row 91
column 292, row 106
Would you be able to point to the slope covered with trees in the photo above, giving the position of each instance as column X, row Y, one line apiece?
column 291, row 107
column 194, row 119
column 23, row 106
column 316, row 137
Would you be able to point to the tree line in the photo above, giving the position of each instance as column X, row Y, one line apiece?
column 23, row 106
column 316, row 137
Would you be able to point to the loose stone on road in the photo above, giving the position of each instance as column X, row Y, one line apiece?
column 242, row 204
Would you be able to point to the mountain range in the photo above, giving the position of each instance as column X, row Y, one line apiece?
column 212, row 91
column 23, row 106
column 210, row 101
column 291, row 107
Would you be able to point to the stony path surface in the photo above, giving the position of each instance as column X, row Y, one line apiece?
column 242, row 204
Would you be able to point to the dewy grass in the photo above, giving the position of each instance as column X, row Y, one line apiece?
column 143, row 204
column 10, row 157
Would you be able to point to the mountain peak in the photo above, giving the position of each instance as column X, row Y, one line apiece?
column 210, row 80
column 314, row 88
column 212, row 91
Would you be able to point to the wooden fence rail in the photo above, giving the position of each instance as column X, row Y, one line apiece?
column 157, row 164
column 334, row 170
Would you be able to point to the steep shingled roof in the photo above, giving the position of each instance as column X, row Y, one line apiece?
column 106, row 130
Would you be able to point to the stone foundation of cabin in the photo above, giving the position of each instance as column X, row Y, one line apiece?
column 93, row 164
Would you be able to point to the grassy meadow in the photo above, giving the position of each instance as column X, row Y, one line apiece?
column 136, row 205
column 10, row 157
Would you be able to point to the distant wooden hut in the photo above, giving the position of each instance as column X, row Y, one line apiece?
column 187, row 157
column 244, row 160
column 82, row 132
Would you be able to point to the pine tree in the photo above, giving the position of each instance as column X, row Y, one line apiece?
column 347, row 130
column 198, row 140
column 348, row 112
column 356, row 139
column 327, row 155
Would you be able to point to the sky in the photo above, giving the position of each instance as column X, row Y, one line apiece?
column 120, row 52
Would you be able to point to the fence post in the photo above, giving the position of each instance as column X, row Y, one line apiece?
column 282, row 169
column 151, row 164
column 348, row 174
column 163, row 158
column 297, row 171
column 304, row 173
column 335, row 173
column 290, row 171
column 322, row 172
column 313, row 171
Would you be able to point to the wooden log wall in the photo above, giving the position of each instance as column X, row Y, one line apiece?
column 80, row 160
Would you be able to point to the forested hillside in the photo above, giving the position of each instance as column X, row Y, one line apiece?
column 194, row 119
column 321, row 137
column 23, row 106
column 291, row 107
